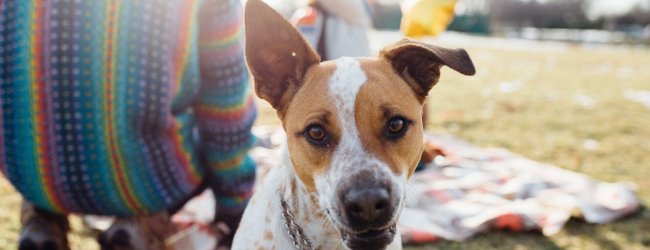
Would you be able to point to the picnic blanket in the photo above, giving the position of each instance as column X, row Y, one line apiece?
column 473, row 189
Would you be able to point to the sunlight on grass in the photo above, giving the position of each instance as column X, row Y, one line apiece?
column 564, row 107
column 560, row 106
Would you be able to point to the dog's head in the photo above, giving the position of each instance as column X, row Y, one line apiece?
column 354, row 126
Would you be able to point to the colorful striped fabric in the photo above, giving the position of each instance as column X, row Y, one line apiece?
column 118, row 107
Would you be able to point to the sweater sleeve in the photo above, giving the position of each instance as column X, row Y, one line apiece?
column 225, row 109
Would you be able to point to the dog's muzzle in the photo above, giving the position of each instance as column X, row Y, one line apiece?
column 367, row 208
column 371, row 239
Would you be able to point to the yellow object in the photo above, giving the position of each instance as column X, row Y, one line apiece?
column 426, row 17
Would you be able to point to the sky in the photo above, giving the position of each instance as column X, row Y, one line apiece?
column 612, row 7
column 596, row 8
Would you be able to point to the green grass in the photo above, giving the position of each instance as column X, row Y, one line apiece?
column 542, row 118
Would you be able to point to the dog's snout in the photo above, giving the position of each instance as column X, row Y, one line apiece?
column 368, row 207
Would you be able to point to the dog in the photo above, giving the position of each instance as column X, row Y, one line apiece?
column 354, row 137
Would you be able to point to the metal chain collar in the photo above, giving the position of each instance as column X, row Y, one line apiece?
column 298, row 237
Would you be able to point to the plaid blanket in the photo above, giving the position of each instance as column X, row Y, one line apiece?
column 475, row 189
column 472, row 189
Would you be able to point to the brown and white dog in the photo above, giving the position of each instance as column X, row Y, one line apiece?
column 354, row 137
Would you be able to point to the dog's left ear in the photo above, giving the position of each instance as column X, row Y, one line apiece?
column 277, row 55
column 419, row 63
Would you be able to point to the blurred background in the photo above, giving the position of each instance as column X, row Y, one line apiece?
column 581, row 21
column 566, row 82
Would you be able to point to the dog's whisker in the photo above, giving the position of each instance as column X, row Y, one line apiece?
column 324, row 220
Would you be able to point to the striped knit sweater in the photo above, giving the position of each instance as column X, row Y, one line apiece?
column 118, row 107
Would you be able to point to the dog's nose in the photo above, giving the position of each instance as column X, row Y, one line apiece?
column 368, row 207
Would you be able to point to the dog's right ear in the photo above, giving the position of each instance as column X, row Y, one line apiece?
column 277, row 55
column 419, row 63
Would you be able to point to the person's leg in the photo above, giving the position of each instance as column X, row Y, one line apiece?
column 42, row 229
column 232, row 187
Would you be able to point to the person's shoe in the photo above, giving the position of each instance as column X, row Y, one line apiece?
column 42, row 230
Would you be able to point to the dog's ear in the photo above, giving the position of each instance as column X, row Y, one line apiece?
column 419, row 63
column 277, row 55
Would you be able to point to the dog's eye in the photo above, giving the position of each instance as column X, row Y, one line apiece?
column 316, row 135
column 396, row 127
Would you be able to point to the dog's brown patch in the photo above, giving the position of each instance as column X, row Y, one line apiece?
column 268, row 235
column 384, row 96
column 311, row 105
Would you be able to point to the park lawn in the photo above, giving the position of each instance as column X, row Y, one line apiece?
column 561, row 106
column 564, row 105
